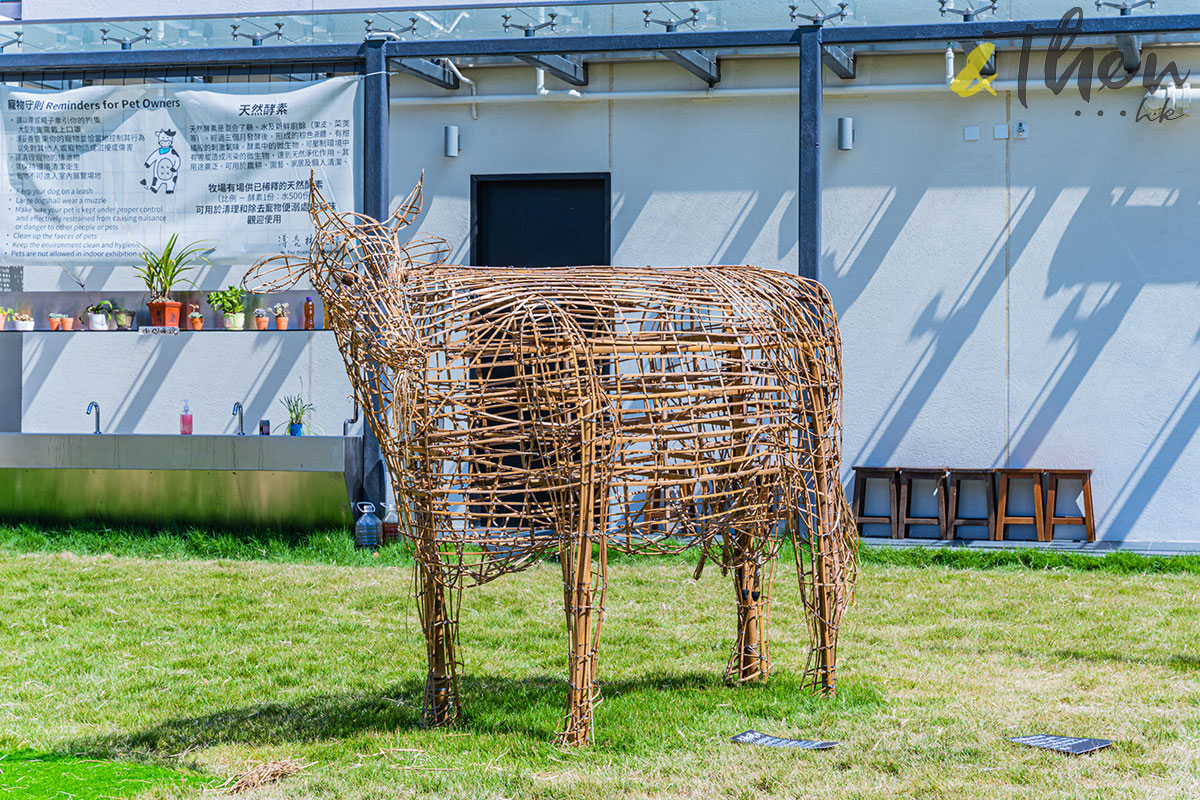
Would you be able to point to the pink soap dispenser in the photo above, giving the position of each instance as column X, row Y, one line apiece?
column 185, row 420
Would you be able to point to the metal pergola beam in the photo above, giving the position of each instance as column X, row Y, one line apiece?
column 573, row 70
column 699, row 64
column 839, row 61
column 332, row 54
column 435, row 72
column 993, row 30
column 1131, row 52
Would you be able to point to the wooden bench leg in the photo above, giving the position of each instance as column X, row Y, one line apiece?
column 1089, row 519
column 1039, row 510
column 990, row 501
column 905, row 506
column 940, row 494
column 1051, row 504
column 1001, row 507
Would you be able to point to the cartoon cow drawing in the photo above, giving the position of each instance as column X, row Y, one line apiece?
column 163, row 163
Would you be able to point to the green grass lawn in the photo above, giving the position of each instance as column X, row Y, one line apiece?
column 163, row 674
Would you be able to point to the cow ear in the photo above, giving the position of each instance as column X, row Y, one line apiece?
column 409, row 209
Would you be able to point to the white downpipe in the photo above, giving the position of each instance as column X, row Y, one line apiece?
column 542, row 91
column 464, row 79
column 949, row 65
column 1177, row 100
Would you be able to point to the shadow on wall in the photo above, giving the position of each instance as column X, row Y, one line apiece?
column 1081, row 259
column 132, row 378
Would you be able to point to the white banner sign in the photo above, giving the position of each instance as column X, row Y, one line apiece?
column 90, row 174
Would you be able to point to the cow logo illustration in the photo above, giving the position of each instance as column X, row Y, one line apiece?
column 163, row 163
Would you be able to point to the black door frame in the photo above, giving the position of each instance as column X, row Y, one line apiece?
column 543, row 176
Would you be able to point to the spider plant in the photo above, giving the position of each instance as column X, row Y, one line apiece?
column 165, row 268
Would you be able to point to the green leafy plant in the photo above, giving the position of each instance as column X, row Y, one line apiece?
column 56, row 315
column 163, row 269
column 228, row 301
column 280, row 309
column 104, row 307
column 298, row 411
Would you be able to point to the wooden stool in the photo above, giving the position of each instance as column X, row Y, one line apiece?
column 1053, row 476
column 861, row 476
column 1003, row 518
column 953, row 480
column 907, row 476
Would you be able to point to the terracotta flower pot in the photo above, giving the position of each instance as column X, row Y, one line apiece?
column 3, row 319
column 68, row 323
column 261, row 322
column 197, row 323
column 281, row 323
column 56, row 323
column 165, row 313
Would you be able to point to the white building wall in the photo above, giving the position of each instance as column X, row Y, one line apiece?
column 1022, row 303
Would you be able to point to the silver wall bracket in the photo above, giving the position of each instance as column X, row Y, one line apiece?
column 128, row 42
column 256, row 39
column 373, row 31
column 15, row 40
column 531, row 28
column 819, row 19
column 700, row 64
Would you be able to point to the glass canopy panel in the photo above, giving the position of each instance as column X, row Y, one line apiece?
column 480, row 21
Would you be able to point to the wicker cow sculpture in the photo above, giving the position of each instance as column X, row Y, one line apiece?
column 575, row 411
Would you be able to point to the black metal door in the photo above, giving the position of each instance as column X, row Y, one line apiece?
column 548, row 220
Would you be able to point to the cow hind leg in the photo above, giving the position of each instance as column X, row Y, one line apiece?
column 585, row 579
column 751, row 658
column 438, row 606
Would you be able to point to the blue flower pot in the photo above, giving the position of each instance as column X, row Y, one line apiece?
column 295, row 429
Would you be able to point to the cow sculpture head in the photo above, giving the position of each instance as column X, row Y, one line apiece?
column 361, row 271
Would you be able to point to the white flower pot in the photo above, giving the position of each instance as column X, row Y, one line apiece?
column 97, row 322
column 23, row 324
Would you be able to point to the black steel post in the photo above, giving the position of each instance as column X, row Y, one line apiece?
column 810, row 152
column 375, row 203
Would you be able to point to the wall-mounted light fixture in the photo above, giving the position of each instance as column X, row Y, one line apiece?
column 845, row 136
column 450, row 141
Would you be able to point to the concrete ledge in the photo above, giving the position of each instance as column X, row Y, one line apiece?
column 150, row 452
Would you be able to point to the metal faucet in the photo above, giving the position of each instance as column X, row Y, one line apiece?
column 96, row 406
column 237, row 411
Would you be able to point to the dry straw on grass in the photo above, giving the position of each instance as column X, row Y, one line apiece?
column 266, row 772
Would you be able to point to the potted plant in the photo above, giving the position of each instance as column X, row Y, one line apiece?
column 229, row 302
column 5, row 313
column 161, row 271
column 123, row 317
column 68, row 322
column 195, row 318
column 260, row 318
column 281, row 316
column 298, row 413
column 97, row 315
column 22, row 321
column 56, row 321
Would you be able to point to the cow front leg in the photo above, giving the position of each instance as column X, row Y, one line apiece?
column 585, row 579
column 752, row 583
column 439, row 621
